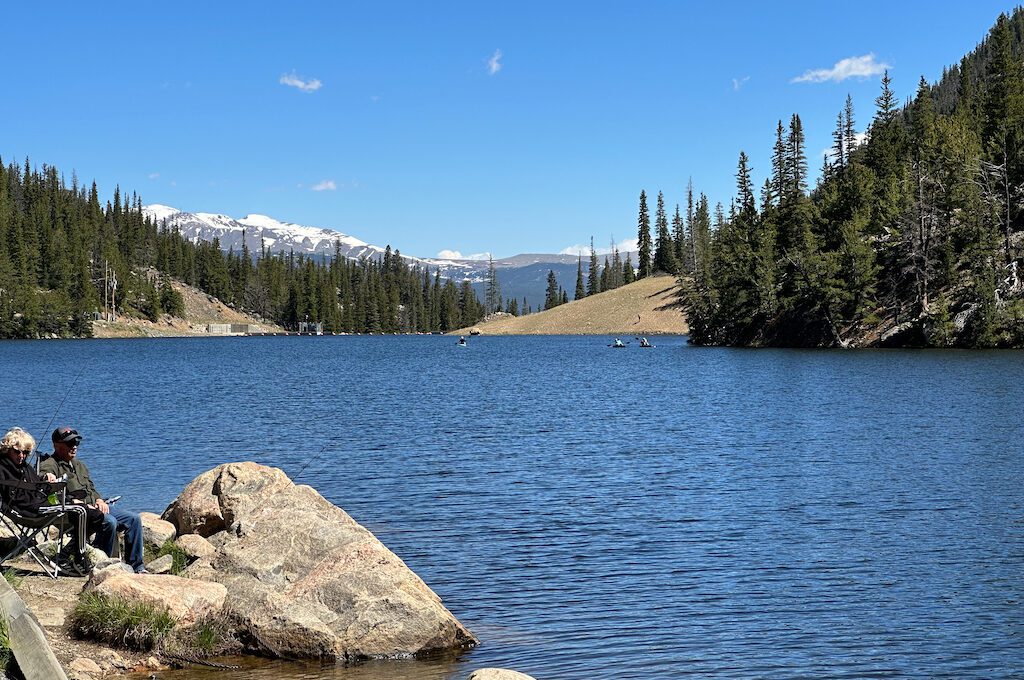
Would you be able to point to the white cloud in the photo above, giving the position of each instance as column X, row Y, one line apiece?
column 737, row 83
column 860, row 138
column 494, row 63
column 851, row 67
column 154, row 175
column 325, row 185
column 456, row 255
column 292, row 80
column 628, row 245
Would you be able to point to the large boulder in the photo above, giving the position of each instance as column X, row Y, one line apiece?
column 304, row 579
column 195, row 510
column 184, row 599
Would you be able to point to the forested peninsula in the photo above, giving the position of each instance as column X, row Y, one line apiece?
column 911, row 238
column 66, row 260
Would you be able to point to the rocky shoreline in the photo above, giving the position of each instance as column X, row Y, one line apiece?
column 291, row 575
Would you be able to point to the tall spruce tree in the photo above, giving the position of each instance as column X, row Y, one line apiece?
column 552, row 296
column 644, row 238
column 581, row 292
column 665, row 251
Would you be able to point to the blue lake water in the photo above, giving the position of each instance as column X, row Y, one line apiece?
column 598, row 513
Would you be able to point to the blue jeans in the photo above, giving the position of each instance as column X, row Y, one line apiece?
column 129, row 522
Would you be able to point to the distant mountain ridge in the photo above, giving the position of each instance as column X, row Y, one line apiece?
column 520, row 276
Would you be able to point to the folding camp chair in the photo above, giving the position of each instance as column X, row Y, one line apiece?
column 26, row 528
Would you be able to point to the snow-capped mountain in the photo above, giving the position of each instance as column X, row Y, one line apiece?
column 520, row 276
column 256, row 231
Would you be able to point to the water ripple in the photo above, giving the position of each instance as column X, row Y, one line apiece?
column 595, row 514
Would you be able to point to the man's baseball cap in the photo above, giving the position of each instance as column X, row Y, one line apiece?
column 66, row 435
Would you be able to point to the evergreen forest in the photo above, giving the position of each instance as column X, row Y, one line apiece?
column 913, row 236
column 65, row 259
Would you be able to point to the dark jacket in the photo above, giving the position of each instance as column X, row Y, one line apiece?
column 80, row 484
column 25, row 500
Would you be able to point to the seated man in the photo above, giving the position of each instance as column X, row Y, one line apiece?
column 28, row 498
column 64, row 461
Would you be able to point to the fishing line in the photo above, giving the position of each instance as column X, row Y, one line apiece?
column 308, row 462
column 35, row 449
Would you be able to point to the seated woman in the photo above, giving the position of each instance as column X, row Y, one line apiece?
column 25, row 495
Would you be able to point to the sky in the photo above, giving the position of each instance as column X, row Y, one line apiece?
column 452, row 128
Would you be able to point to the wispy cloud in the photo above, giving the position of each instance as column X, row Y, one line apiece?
column 154, row 175
column 737, row 83
column 494, row 63
column 851, row 67
column 456, row 255
column 325, row 185
column 293, row 80
column 628, row 245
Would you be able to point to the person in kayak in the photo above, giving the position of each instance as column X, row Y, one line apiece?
column 618, row 343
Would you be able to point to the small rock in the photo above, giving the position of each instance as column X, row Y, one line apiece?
column 161, row 565
column 153, row 663
column 156, row 531
column 106, row 562
column 195, row 546
column 497, row 674
column 83, row 667
column 112, row 659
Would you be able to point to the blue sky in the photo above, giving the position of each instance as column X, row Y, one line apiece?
column 458, row 126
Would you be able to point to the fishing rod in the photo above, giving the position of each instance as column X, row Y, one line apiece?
column 319, row 453
column 35, row 449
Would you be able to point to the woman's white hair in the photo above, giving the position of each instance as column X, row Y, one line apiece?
column 17, row 438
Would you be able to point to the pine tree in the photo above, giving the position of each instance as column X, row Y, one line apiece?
column 644, row 238
column 593, row 278
column 628, row 273
column 552, row 298
column 665, row 250
column 492, row 294
column 581, row 292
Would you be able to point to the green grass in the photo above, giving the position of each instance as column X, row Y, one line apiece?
column 6, row 655
column 212, row 635
column 117, row 622
column 143, row 627
column 171, row 548
column 12, row 578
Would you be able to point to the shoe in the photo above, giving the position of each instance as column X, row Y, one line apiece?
column 73, row 566
column 141, row 570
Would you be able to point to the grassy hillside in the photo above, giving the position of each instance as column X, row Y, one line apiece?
column 648, row 307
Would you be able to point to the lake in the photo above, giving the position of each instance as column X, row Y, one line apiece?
column 599, row 513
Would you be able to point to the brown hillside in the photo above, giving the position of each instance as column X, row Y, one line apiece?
column 648, row 307
column 200, row 309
